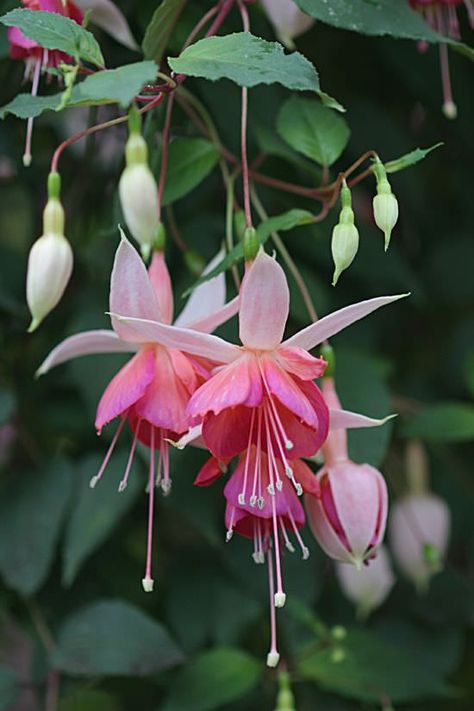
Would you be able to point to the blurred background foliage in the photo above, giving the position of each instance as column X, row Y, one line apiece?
column 72, row 610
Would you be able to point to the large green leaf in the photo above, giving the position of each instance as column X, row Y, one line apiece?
column 27, row 106
column 213, row 679
column 246, row 60
column 160, row 28
column 31, row 514
column 112, row 638
column 54, row 31
column 97, row 511
column 190, row 160
column 9, row 688
column 443, row 422
column 313, row 129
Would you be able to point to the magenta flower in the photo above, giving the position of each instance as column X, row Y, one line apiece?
column 153, row 389
column 349, row 519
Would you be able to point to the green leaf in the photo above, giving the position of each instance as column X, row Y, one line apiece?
column 444, row 422
column 9, row 688
column 112, row 638
column 31, row 515
column 246, row 60
column 54, row 31
column 313, row 129
column 27, row 106
column 89, row 700
column 160, row 28
column 372, row 669
column 271, row 143
column 97, row 511
column 113, row 85
column 190, row 160
column 410, row 159
column 213, row 679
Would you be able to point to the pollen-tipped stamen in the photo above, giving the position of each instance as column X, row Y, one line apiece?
column 165, row 459
column 124, row 481
column 147, row 581
column 241, row 497
column 95, row 479
column 273, row 656
column 29, row 125
column 304, row 549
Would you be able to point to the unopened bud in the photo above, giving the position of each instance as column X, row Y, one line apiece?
column 251, row 244
column 385, row 203
column 327, row 352
column 345, row 236
column 368, row 587
column 285, row 700
column 287, row 19
column 50, row 260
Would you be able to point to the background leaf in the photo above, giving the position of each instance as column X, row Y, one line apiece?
column 443, row 422
column 190, row 160
column 160, row 28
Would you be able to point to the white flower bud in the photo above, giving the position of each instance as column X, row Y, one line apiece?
column 345, row 236
column 386, row 214
column 368, row 587
column 287, row 19
column 49, row 265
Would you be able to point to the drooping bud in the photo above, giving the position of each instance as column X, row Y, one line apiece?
column 50, row 260
column 368, row 587
column 285, row 700
column 385, row 203
column 345, row 236
column 287, row 19
column 139, row 193
column 251, row 244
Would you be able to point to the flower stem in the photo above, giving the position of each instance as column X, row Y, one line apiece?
column 165, row 142
column 243, row 131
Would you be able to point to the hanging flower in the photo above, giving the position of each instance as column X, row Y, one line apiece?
column 287, row 19
column 368, row 587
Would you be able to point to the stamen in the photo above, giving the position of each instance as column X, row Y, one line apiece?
column 280, row 596
column 148, row 581
column 256, row 471
column 271, row 456
column 288, row 544
column 29, row 124
column 449, row 107
column 286, row 439
column 257, row 555
column 164, row 453
column 272, row 657
column 253, row 500
column 124, row 481
column 241, row 497
column 98, row 476
column 304, row 549
column 230, row 530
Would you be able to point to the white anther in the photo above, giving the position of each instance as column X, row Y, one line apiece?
column 261, row 502
column 290, row 546
column 229, row 535
column 166, row 486
column 299, row 489
column 271, row 489
column 289, row 444
column 93, row 482
column 253, row 500
column 122, row 486
column 280, row 599
column 241, row 499
column 279, row 485
column 272, row 659
column 305, row 552
column 148, row 584
column 289, row 472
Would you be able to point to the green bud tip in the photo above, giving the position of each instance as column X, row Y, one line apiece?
column 251, row 244
column 432, row 557
column 327, row 352
column 54, row 184
column 338, row 655
column 35, row 322
column 160, row 238
column 134, row 120
column 339, row 633
column 194, row 262
column 346, row 199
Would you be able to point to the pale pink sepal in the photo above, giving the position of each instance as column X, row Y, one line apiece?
column 205, row 299
column 209, row 323
column 264, row 304
column 161, row 282
column 87, row 343
column 193, row 434
column 131, row 292
column 328, row 326
column 193, row 342
column 107, row 16
column 324, row 532
column 345, row 419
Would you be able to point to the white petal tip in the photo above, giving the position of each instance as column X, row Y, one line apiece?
column 280, row 599
column 272, row 659
column 35, row 322
column 148, row 584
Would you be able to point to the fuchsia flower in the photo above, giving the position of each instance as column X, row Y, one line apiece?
column 368, row 587
column 153, row 389
column 287, row 19
column 348, row 520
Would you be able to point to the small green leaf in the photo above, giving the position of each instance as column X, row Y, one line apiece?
column 113, row 638
column 444, row 422
column 160, row 28
column 97, row 512
column 27, row 106
column 313, row 129
column 246, row 60
column 190, row 160
column 9, row 688
column 410, row 159
column 113, row 85
column 213, row 679
column 31, row 515
column 54, row 31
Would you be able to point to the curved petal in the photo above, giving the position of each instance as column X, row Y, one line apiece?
column 107, row 16
column 264, row 304
column 345, row 419
column 161, row 282
column 288, row 392
column 209, row 323
column 328, row 326
column 306, row 478
column 301, row 363
column 323, row 531
column 131, row 291
column 87, row 343
column 209, row 473
column 193, row 342
column 227, row 434
column 205, row 298
column 237, row 384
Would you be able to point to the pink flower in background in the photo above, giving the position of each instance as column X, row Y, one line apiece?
column 349, row 519
column 368, row 587
column 153, row 389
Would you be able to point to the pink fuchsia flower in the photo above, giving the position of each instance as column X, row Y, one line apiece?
column 152, row 390
column 349, row 519
column 368, row 587
column 419, row 533
column 287, row 19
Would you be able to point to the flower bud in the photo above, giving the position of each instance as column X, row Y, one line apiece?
column 345, row 236
column 368, row 587
column 139, row 196
column 251, row 244
column 348, row 521
column 385, row 203
column 419, row 533
column 50, row 260
column 287, row 19
column 285, row 700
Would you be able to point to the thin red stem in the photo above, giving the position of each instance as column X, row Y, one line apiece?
column 243, row 131
column 165, row 142
column 226, row 7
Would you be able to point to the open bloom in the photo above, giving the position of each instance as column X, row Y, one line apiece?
column 153, row 388
column 349, row 519
column 368, row 587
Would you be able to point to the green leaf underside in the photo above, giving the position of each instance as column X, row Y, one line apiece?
column 284, row 222
column 160, row 28
column 312, row 129
column 444, row 422
column 379, row 17
column 114, row 638
column 190, row 161
column 54, row 31
column 213, row 679
column 105, row 87
column 410, row 159
column 246, row 60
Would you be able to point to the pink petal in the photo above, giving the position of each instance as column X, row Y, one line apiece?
column 306, row 477
column 205, row 299
column 301, row 363
column 324, row 532
column 183, row 339
column 209, row 323
column 87, row 343
column 184, row 370
column 131, row 292
column 344, row 419
column 107, row 16
column 127, row 387
column 306, row 440
column 328, row 326
column 264, row 304
column 161, row 282
column 17, row 38
column 288, row 392
column 227, row 434
column 208, row 473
